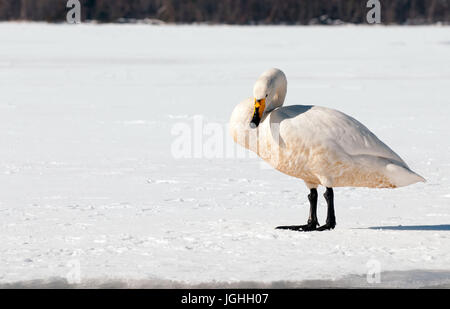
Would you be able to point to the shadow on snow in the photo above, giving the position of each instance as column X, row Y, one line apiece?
column 439, row 227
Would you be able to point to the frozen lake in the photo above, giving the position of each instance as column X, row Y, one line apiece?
column 91, row 189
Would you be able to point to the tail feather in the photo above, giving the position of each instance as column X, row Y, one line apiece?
column 397, row 172
column 402, row 176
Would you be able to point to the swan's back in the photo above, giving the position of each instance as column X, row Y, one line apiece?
column 332, row 126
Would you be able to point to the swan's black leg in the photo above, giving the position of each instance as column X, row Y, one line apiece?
column 331, row 218
column 312, row 221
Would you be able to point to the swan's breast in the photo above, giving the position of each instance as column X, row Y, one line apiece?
column 286, row 150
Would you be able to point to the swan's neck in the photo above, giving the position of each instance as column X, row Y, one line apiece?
column 278, row 92
column 240, row 129
column 277, row 101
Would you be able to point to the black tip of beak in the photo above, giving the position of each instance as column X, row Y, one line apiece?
column 255, row 120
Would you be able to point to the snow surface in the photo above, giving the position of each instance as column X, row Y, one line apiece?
column 89, row 184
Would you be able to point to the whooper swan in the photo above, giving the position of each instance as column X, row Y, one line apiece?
column 320, row 145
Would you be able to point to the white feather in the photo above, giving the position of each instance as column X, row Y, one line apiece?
column 322, row 146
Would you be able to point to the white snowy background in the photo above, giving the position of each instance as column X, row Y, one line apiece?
column 90, row 189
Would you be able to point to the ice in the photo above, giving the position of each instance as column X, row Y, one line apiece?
column 89, row 184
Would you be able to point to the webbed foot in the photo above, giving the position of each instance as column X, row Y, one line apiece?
column 311, row 226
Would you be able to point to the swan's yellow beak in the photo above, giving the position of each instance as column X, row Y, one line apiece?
column 260, row 106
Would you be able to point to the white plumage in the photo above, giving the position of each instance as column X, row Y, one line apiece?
column 320, row 145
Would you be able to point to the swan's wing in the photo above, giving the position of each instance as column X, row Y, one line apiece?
column 319, row 125
column 336, row 149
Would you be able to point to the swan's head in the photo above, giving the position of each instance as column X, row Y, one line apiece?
column 269, row 92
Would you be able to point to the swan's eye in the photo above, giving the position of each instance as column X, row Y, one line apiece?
column 267, row 95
